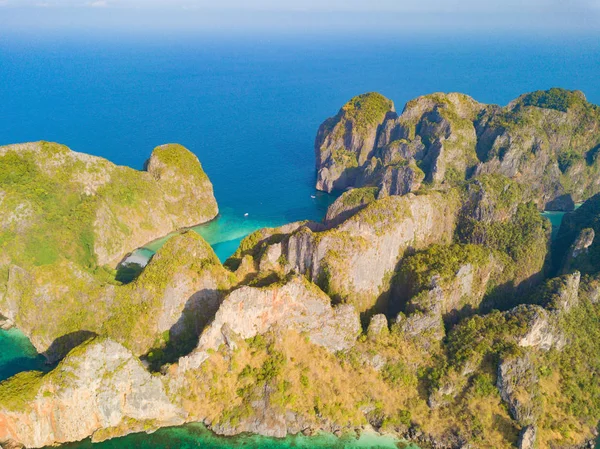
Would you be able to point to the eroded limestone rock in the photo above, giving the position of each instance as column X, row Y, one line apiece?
column 99, row 389
column 295, row 305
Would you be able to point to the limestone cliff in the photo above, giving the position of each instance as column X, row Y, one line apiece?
column 346, row 141
column 354, row 262
column 59, row 204
column 60, row 305
column 67, row 218
column 576, row 247
column 295, row 305
column 98, row 390
column 546, row 140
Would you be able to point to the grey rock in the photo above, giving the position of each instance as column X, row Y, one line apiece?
column 580, row 247
column 378, row 326
column 425, row 325
column 527, row 438
column 567, row 295
column 518, row 386
column 355, row 260
column 400, row 180
column 347, row 140
column 542, row 331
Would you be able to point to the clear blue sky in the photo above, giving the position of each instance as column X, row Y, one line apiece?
column 305, row 16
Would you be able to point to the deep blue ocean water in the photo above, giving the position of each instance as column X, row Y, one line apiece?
column 249, row 107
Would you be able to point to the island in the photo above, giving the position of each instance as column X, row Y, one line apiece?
column 430, row 303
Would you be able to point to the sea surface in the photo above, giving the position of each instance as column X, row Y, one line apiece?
column 249, row 107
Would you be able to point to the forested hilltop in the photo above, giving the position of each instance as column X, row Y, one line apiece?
column 431, row 301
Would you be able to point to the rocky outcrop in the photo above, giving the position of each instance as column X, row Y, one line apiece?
column 400, row 180
column 575, row 246
column 65, row 215
column 99, row 389
column 527, row 438
column 378, row 326
column 348, row 204
column 61, row 305
column 354, row 262
column 295, row 305
column 346, row 141
column 542, row 330
column 583, row 242
column 518, row 386
column 546, row 141
column 423, row 325
column 435, row 130
column 452, row 280
column 187, row 189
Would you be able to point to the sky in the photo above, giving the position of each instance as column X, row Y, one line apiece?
column 305, row 16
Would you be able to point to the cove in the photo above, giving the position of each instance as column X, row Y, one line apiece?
column 225, row 232
column 17, row 354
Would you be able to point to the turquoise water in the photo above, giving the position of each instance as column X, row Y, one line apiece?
column 555, row 219
column 17, row 354
column 189, row 436
column 225, row 232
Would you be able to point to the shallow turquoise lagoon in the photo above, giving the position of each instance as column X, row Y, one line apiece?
column 197, row 436
column 225, row 232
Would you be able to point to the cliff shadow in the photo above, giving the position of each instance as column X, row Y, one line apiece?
column 183, row 336
column 127, row 273
column 65, row 343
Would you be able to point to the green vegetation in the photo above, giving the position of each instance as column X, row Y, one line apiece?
column 66, row 219
column 367, row 110
column 578, row 366
column 567, row 159
column 18, row 391
column 358, row 197
column 555, row 98
column 524, row 238
column 180, row 175
column 47, row 217
column 444, row 261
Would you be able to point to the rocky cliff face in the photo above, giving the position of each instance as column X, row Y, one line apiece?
column 575, row 246
column 67, row 218
column 451, row 281
column 98, row 390
column 346, row 141
column 442, row 252
column 188, row 193
column 547, row 141
column 355, row 261
column 61, row 305
column 296, row 304
column 90, row 210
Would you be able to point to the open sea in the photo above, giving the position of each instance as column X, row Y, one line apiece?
column 249, row 107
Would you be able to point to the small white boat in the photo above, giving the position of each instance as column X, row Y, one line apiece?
column 246, row 214
column 312, row 196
